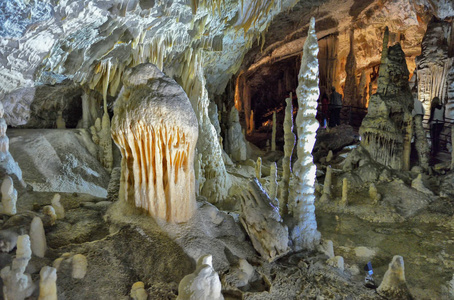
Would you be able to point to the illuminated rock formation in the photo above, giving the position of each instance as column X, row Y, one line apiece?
column 38, row 242
column 394, row 285
column 59, row 209
column 301, row 202
column 203, row 284
column 273, row 181
column 156, row 130
column 79, row 266
column 386, row 130
column 351, row 87
column 17, row 285
column 289, row 144
column 236, row 143
column 9, row 196
column 261, row 219
column 433, row 66
column 48, row 283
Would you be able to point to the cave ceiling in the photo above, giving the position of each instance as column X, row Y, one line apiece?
column 47, row 42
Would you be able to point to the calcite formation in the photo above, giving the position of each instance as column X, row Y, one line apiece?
column 9, row 196
column 261, row 219
column 386, row 130
column 289, row 144
column 48, row 283
column 138, row 291
column 18, row 285
column 7, row 164
column 58, row 207
column 236, row 143
column 38, row 242
column 304, row 234
column 79, row 266
column 156, row 130
column 394, row 285
column 203, row 284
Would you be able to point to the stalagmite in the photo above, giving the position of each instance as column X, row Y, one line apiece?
column 7, row 164
column 273, row 181
column 251, row 122
column 329, row 157
column 394, row 285
column 50, row 217
column 289, row 144
column 304, row 234
column 327, row 185
column 9, row 196
column 60, row 121
column 16, row 284
column 336, row 262
column 273, row 134
column 59, row 209
column 48, row 283
column 236, row 143
column 351, row 87
column 261, row 220
column 258, row 168
column 373, row 193
column 138, row 291
column 344, row 200
column 418, row 185
column 386, row 130
column 38, row 237
column 203, row 284
column 79, row 266
column 156, row 131
column 452, row 145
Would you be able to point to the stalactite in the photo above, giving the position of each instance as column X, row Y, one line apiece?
column 289, row 144
column 304, row 234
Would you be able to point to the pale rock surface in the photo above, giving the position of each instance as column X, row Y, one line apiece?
column 61, row 124
column 301, row 203
column 59, row 161
column 79, row 266
column 138, row 291
column 236, row 143
column 365, row 252
column 58, row 207
column 374, row 195
column 156, row 130
column 261, row 219
column 38, row 237
column 48, row 284
column 394, row 285
column 418, row 185
column 9, row 196
column 203, row 284
column 17, row 285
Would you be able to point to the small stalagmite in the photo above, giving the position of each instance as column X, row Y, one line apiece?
column 327, row 185
column 48, row 283
column 203, row 284
column 38, row 237
column 394, row 285
column 59, row 209
column 9, row 196
column 344, row 200
column 273, row 135
column 273, row 181
column 50, row 216
column 79, row 264
column 156, row 130
column 138, row 291
column 258, row 168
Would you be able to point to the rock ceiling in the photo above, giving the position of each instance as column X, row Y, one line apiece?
column 92, row 42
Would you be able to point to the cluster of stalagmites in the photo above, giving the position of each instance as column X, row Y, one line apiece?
column 386, row 130
column 156, row 130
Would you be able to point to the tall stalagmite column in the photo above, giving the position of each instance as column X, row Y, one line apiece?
column 304, row 234
column 289, row 144
column 156, row 130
